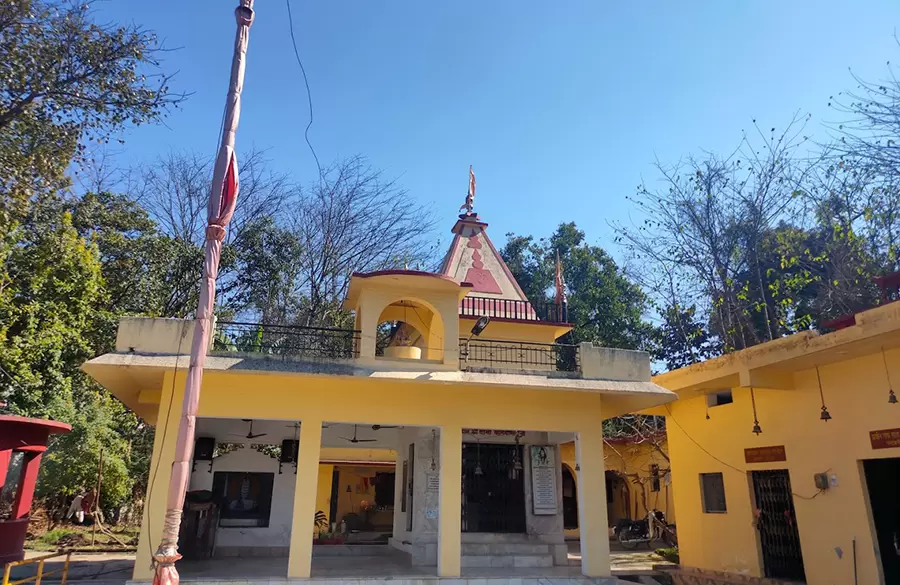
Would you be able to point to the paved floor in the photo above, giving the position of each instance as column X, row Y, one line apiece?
column 116, row 568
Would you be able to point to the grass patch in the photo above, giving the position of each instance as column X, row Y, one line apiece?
column 81, row 537
column 669, row 554
column 55, row 536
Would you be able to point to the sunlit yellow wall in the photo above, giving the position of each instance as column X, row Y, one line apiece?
column 856, row 394
column 441, row 327
column 323, row 491
column 350, row 400
column 629, row 460
column 514, row 331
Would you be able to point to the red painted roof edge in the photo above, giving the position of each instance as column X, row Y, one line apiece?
column 53, row 426
column 450, row 255
column 411, row 273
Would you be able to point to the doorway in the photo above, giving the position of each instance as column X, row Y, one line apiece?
column 883, row 481
column 493, row 498
column 570, row 499
column 776, row 522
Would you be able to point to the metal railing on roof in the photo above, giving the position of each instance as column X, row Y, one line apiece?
column 517, row 355
column 474, row 306
column 286, row 340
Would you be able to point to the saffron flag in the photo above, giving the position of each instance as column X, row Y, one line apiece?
column 471, row 183
column 229, row 191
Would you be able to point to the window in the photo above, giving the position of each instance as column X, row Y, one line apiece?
column 712, row 491
column 654, row 477
column 245, row 499
column 719, row 398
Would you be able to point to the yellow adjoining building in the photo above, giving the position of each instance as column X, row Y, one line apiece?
column 637, row 481
column 443, row 442
column 786, row 457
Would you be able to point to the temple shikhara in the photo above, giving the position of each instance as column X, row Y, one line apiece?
column 447, row 434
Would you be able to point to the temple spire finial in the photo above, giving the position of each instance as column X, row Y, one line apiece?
column 469, row 205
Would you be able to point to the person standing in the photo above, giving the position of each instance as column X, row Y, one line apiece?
column 76, row 509
column 87, row 505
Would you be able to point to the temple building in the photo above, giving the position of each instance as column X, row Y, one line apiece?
column 430, row 433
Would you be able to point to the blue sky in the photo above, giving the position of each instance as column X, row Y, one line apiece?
column 561, row 107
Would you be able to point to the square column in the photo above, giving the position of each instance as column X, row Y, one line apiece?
column 593, row 520
column 450, row 507
column 300, row 555
column 154, row 516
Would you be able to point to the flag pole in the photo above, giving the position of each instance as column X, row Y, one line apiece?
column 222, row 198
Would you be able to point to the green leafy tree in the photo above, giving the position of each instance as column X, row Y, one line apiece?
column 683, row 338
column 66, row 81
column 604, row 305
column 53, row 300
column 72, row 463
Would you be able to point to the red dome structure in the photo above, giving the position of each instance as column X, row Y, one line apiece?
column 27, row 436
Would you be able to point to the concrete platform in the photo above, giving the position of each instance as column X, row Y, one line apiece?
column 363, row 565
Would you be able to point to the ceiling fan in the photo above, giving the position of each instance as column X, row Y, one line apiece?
column 250, row 434
column 355, row 440
column 379, row 427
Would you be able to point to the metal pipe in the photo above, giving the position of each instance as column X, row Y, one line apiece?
column 222, row 199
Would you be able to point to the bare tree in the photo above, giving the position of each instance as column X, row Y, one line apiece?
column 175, row 191
column 699, row 236
column 295, row 269
column 355, row 220
column 866, row 155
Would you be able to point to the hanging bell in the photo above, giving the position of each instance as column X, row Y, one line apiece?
column 892, row 398
column 517, row 465
column 757, row 430
column 825, row 415
column 478, row 470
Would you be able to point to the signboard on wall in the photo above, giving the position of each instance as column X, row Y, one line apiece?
column 543, row 479
column 765, row 454
column 885, row 438
column 433, row 482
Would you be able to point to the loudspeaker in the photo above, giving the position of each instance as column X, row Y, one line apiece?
column 203, row 448
column 289, row 449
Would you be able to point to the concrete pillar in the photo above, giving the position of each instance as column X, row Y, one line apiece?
column 592, row 515
column 450, row 498
column 160, row 471
column 300, row 555
column 449, row 312
column 368, row 326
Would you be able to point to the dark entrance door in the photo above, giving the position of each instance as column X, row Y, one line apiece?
column 493, row 498
column 570, row 499
column 883, row 479
column 777, row 525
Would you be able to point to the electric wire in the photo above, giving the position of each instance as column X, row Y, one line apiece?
column 308, row 92
column 726, row 464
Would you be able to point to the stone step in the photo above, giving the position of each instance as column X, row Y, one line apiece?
column 508, row 561
column 352, row 550
column 506, row 548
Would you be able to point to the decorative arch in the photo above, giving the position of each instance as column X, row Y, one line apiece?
column 422, row 316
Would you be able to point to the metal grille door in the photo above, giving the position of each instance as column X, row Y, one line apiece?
column 493, row 498
column 777, row 525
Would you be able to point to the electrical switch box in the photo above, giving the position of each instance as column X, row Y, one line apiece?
column 821, row 481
